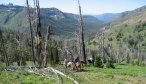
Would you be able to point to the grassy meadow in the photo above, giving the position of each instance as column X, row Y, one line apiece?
column 122, row 74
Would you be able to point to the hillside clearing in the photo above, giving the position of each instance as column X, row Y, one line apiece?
column 123, row 74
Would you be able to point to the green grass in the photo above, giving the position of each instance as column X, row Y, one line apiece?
column 123, row 74
column 126, row 70
column 9, row 77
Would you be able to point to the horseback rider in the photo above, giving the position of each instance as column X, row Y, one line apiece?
column 65, row 63
column 76, row 60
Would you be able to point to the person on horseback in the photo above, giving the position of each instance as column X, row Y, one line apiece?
column 76, row 60
column 76, row 63
column 65, row 63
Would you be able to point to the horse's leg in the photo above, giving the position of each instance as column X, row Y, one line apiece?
column 81, row 66
column 72, row 66
column 65, row 65
column 76, row 66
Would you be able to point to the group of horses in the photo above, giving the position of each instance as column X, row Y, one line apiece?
column 77, row 64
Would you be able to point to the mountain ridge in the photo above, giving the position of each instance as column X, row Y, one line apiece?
column 63, row 23
column 107, row 17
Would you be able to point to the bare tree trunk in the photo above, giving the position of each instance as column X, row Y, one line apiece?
column 17, row 40
column 45, row 57
column 31, row 32
column 4, row 49
column 21, row 49
column 102, row 45
column 81, row 38
column 40, row 48
column 38, row 35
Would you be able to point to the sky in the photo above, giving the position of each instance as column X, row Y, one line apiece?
column 92, row 7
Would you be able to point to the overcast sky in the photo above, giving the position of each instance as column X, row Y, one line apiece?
column 93, row 7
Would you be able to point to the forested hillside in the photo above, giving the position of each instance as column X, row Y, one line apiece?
column 125, row 37
column 15, row 17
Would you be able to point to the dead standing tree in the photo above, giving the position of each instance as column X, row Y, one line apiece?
column 47, row 37
column 102, row 50
column 40, row 47
column 38, row 35
column 102, row 47
column 31, row 32
column 82, row 55
column 100, row 37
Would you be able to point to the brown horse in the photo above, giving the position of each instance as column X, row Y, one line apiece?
column 79, row 66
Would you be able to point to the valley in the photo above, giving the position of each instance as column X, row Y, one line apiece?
column 40, row 45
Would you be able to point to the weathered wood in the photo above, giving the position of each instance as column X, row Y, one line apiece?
column 82, row 55
column 45, row 55
column 31, row 32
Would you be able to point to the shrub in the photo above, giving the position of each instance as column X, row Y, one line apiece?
column 93, row 53
column 110, row 39
column 94, row 43
column 127, row 59
column 132, row 62
column 142, row 64
column 132, row 41
column 140, row 27
column 98, row 62
column 1, row 66
column 138, row 62
column 109, row 63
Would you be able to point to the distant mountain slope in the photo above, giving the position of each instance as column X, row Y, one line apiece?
column 128, row 31
column 131, row 17
column 15, row 17
column 108, row 17
column 125, row 37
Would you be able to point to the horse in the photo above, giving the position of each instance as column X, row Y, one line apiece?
column 90, row 60
column 79, row 65
column 75, row 66
column 71, row 64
